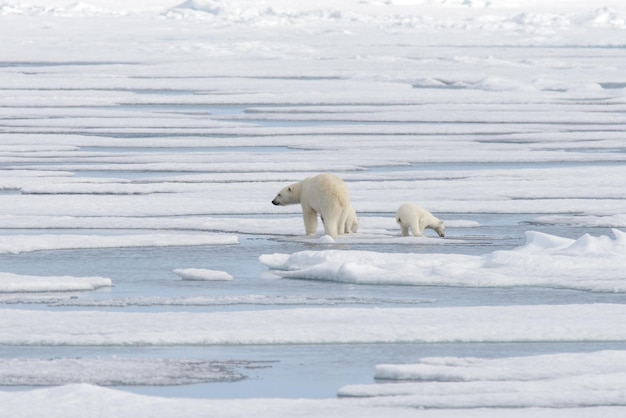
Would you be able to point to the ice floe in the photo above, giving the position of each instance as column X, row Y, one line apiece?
column 565, row 380
column 588, row 263
column 330, row 325
column 15, row 244
column 203, row 274
column 615, row 221
column 15, row 283
column 78, row 400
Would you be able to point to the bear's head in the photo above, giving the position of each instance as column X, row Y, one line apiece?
column 440, row 229
column 287, row 196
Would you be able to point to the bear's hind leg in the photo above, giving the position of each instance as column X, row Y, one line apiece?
column 332, row 225
column 331, row 229
column 343, row 221
column 416, row 228
column 403, row 226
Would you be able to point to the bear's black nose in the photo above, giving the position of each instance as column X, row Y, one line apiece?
column 275, row 202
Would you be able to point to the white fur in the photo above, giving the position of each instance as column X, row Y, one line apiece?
column 412, row 216
column 352, row 222
column 325, row 194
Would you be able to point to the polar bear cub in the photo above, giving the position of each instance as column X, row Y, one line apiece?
column 412, row 216
column 325, row 194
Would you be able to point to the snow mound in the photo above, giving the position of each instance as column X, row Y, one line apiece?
column 586, row 246
column 203, row 274
column 588, row 263
column 326, row 239
column 538, row 241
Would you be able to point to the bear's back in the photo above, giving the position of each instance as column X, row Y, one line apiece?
column 326, row 187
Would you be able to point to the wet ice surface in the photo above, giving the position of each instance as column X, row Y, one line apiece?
column 139, row 249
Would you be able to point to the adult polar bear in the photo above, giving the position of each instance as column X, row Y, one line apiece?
column 325, row 194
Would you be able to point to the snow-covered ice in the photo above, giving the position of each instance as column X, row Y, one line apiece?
column 587, row 263
column 93, row 400
column 141, row 143
column 550, row 381
column 15, row 244
column 202, row 274
column 12, row 283
column 543, row 323
column 532, row 368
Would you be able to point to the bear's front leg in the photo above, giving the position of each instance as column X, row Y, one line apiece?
column 310, row 220
column 416, row 228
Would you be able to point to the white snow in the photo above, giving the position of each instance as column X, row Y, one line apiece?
column 588, row 263
column 543, row 323
column 617, row 220
column 203, row 274
column 13, row 283
column 550, row 381
column 80, row 400
column 373, row 228
column 15, row 244
column 533, row 368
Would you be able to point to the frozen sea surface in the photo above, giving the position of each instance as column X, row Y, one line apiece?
column 144, row 268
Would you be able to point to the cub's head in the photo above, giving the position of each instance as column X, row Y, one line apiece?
column 287, row 196
column 440, row 229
